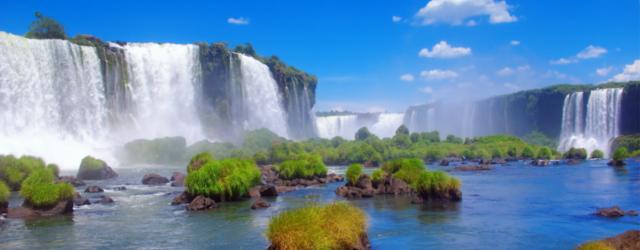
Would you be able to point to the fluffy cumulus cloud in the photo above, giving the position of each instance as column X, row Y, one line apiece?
column 604, row 71
column 630, row 72
column 457, row 12
column 444, row 50
column 396, row 19
column 591, row 52
column 438, row 74
column 407, row 77
column 238, row 21
column 426, row 90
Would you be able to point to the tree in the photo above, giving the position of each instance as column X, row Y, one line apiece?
column 528, row 153
column 597, row 154
column 362, row 134
column 45, row 28
column 453, row 139
column 402, row 130
column 620, row 154
column 544, row 153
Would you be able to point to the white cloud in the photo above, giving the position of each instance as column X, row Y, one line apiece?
column 407, row 77
column 591, row 52
column 426, row 90
column 444, row 50
column 471, row 23
column 563, row 61
column 604, row 71
column 506, row 71
column 515, row 42
column 630, row 72
column 396, row 19
column 511, row 86
column 455, row 12
column 438, row 74
column 238, row 21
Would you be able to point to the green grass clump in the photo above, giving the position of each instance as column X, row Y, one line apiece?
column 597, row 154
column 353, row 173
column 595, row 245
column 14, row 170
column 407, row 169
column 333, row 226
column 576, row 153
column 91, row 164
column 377, row 175
column 304, row 166
column 436, row 184
column 620, row 154
column 41, row 191
column 4, row 192
column 228, row 179
column 198, row 161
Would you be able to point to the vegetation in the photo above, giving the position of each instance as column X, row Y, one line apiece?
column 363, row 134
column 45, row 28
column 620, row 154
column 156, row 151
column 305, row 166
column 576, row 153
column 406, row 169
column 333, row 226
column 595, row 245
column 538, row 138
column 631, row 142
column 597, row 154
column 198, row 161
column 436, row 183
column 40, row 189
column 544, row 153
column 4, row 193
column 14, row 170
column 222, row 180
column 353, row 173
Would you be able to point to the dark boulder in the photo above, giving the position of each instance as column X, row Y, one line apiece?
column 260, row 203
column 154, row 179
column 615, row 163
column 473, row 168
column 95, row 169
column 119, row 188
column 93, row 189
column 4, row 207
column 201, row 203
column 444, row 162
column 71, row 180
column 26, row 211
column 177, row 179
column 333, row 177
column 614, row 211
column 182, row 198
column 78, row 200
column 268, row 191
column 105, row 200
column 364, row 182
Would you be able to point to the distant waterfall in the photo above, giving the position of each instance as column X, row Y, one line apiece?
column 52, row 99
column 164, row 82
column 261, row 99
column 598, row 127
column 346, row 126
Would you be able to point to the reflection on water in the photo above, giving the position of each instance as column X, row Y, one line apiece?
column 509, row 207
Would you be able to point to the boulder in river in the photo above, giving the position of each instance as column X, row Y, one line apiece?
column 260, row 203
column 182, row 198
column 268, row 191
column 78, row 200
column 93, row 189
column 177, row 179
column 154, row 179
column 201, row 203
column 72, row 180
column 615, row 211
column 94, row 169
column 25, row 211
column 473, row 168
column 106, row 200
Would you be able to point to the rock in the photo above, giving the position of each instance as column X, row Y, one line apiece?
column 71, row 180
column 254, row 192
column 4, row 207
column 615, row 163
column 177, row 179
column 631, row 213
column 25, row 211
column 78, row 200
column 417, row 200
column 444, row 162
column 364, row 182
column 629, row 240
column 268, row 191
column 93, row 189
column 473, row 168
column 284, row 189
column 573, row 161
column 182, row 198
column 260, row 203
column 154, row 179
column 105, row 200
column 399, row 187
column 499, row 161
column 614, row 211
column 333, row 177
column 540, row 162
column 120, row 188
column 95, row 169
column 201, row 203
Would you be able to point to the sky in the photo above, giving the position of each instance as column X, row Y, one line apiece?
column 373, row 56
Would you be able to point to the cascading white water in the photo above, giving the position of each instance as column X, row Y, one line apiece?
column 601, row 124
column 261, row 98
column 344, row 126
column 52, row 99
column 164, row 82
column 387, row 124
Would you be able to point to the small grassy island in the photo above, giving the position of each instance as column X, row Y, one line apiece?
column 332, row 226
column 95, row 169
column 221, row 180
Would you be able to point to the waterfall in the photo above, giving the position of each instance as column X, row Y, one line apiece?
column 52, row 99
column 262, row 102
column 601, row 124
column 344, row 126
column 164, row 82
column 387, row 124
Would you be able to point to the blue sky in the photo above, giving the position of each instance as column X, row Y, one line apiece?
column 365, row 52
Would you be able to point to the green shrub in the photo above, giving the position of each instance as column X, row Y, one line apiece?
column 362, row 134
column 528, row 153
column 454, row 139
column 305, row 166
column 620, row 154
column 544, row 153
column 597, row 154
column 512, row 152
column 333, row 226
column 576, row 153
column 164, row 150
column 353, row 173
column 40, row 190
column 198, row 161
column 482, row 154
column 45, row 28
column 496, row 153
column 4, row 192
column 402, row 130
column 228, row 179
column 430, row 183
column 14, row 170
column 377, row 175
column 407, row 169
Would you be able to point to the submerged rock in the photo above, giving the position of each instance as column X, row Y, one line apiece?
column 201, row 203
column 182, row 198
column 154, row 179
column 78, row 200
column 177, row 179
column 615, row 163
column 615, row 211
column 268, row 191
column 105, row 200
column 72, row 180
column 260, row 203
column 95, row 169
column 93, row 189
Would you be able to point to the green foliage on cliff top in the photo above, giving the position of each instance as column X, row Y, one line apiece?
column 41, row 191
column 302, row 166
column 223, row 180
column 353, row 173
column 332, row 226
column 45, row 28
column 576, row 153
column 4, row 192
column 156, row 151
